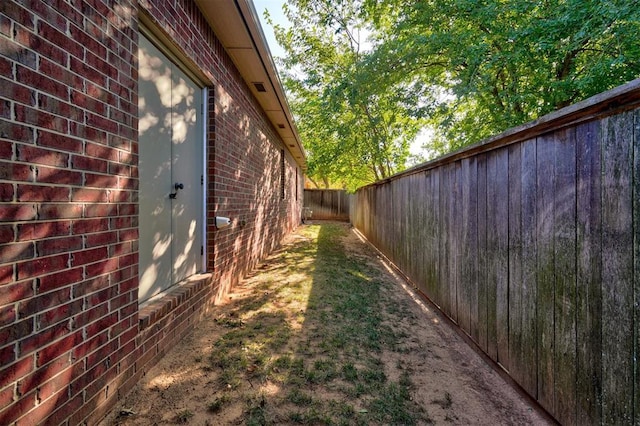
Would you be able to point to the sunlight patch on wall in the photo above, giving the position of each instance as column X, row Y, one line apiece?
column 183, row 257
column 148, row 121
column 180, row 124
column 160, row 245
column 182, row 93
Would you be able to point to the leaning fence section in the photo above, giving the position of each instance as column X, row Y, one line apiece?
column 327, row 204
column 530, row 243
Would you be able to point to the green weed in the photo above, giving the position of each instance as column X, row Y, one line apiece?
column 184, row 416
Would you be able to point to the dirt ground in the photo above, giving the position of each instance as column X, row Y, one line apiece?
column 449, row 381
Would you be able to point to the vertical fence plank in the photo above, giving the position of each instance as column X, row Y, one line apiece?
column 408, row 217
column 471, row 264
column 564, row 362
column 491, row 252
column 376, row 218
column 366, row 214
column 501, row 265
column 497, row 271
column 398, row 203
column 529, row 375
column 443, row 282
column 395, row 223
column 468, row 235
column 517, row 368
column 382, row 215
column 410, row 222
column 617, row 271
column 428, row 253
column 482, row 248
column 413, row 223
column 389, row 205
column 435, row 191
column 433, row 256
column 450, row 257
column 636, row 251
column 421, row 231
column 545, row 269
column 454, row 237
column 588, row 251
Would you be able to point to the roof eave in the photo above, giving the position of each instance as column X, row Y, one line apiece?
column 237, row 26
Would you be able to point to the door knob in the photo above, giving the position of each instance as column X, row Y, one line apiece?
column 177, row 186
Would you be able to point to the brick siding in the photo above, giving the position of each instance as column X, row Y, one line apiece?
column 73, row 339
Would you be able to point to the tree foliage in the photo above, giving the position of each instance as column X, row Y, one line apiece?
column 355, row 126
column 467, row 68
column 506, row 62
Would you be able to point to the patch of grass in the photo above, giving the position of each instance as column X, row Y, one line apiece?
column 298, row 397
column 391, row 406
column 324, row 370
column 316, row 333
column 184, row 416
column 229, row 322
column 342, row 409
column 217, row 404
column 256, row 414
column 373, row 377
column 310, row 416
column 405, row 380
column 349, row 372
column 246, row 351
column 283, row 362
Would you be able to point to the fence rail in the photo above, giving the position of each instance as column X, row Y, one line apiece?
column 530, row 242
column 327, row 204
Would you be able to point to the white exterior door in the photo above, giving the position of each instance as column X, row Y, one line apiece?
column 171, row 150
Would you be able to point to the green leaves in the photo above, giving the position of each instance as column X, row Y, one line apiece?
column 508, row 62
column 355, row 122
column 365, row 76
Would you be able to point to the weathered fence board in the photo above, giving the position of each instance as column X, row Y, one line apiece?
column 501, row 265
column 589, row 272
column 432, row 254
column 493, row 254
column 482, row 254
column 443, row 265
column 545, row 268
column 516, row 366
column 564, row 232
column 530, row 242
column 617, row 271
column 529, row 373
column 636, row 256
column 452, row 253
column 468, row 247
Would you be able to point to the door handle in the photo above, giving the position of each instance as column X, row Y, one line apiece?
column 177, row 186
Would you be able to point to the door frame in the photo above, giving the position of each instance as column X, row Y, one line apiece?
column 163, row 43
column 205, row 178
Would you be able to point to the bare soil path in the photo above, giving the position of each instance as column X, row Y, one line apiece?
column 323, row 333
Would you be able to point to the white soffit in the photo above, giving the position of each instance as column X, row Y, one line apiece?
column 237, row 26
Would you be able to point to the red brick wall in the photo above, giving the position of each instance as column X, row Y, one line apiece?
column 72, row 337
column 246, row 187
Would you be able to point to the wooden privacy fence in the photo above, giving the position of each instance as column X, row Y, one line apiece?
column 327, row 204
column 530, row 242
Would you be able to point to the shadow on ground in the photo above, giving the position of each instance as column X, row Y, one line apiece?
column 322, row 333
